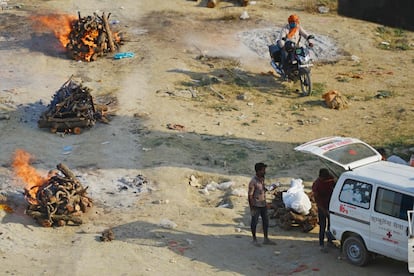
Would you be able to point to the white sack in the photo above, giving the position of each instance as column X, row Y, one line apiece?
column 296, row 198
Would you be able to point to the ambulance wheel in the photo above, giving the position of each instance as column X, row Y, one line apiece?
column 355, row 251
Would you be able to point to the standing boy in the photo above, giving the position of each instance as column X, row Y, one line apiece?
column 257, row 202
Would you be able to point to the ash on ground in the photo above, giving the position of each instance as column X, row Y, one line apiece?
column 136, row 184
column 119, row 188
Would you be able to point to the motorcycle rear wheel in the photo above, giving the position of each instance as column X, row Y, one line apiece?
column 305, row 82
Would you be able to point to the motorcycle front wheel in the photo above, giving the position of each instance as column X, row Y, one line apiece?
column 305, row 82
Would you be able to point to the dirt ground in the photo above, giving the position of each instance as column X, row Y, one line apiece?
column 193, row 69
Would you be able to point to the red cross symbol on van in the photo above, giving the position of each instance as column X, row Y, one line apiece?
column 389, row 235
column 342, row 209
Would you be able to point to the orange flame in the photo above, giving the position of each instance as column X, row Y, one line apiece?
column 28, row 174
column 60, row 24
column 89, row 40
column 66, row 29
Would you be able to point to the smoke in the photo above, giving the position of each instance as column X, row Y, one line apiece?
column 253, row 45
column 258, row 40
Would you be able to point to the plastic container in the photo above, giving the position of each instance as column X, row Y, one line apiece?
column 124, row 55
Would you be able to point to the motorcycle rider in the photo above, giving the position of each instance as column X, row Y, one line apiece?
column 293, row 31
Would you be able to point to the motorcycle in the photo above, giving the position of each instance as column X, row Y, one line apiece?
column 297, row 65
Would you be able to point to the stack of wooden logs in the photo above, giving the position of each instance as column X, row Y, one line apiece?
column 71, row 109
column 91, row 37
column 287, row 218
column 59, row 201
column 214, row 3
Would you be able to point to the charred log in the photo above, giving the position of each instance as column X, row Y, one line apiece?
column 61, row 200
column 71, row 109
column 91, row 37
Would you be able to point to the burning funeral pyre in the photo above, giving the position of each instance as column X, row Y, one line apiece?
column 84, row 38
column 55, row 200
column 91, row 37
column 71, row 109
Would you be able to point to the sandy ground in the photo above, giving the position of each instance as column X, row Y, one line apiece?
column 168, row 227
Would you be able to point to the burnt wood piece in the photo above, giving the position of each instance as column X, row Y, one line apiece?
column 67, row 172
column 61, row 200
column 212, row 3
column 108, row 32
column 91, row 37
column 63, row 126
column 244, row 3
column 71, row 109
column 44, row 221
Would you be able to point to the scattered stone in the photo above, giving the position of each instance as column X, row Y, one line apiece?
column 141, row 115
column 225, row 185
column 107, row 235
column 323, row 9
column 355, row 58
column 194, row 182
column 204, row 191
column 167, row 224
column 244, row 15
column 161, row 201
column 240, row 192
column 137, row 184
column 176, row 127
column 242, row 97
column 383, row 94
column 212, row 186
column 4, row 116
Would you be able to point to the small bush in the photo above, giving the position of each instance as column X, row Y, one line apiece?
column 311, row 6
column 392, row 39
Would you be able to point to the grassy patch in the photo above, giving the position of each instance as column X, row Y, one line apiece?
column 400, row 142
column 318, row 88
column 220, row 88
column 237, row 156
column 392, row 39
column 312, row 6
column 223, row 107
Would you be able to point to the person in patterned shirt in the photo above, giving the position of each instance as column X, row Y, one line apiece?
column 257, row 203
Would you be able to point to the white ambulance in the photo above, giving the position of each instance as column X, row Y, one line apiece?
column 372, row 202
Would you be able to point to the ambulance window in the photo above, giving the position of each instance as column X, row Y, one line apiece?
column 356, row 193
column 350, row 153
column 393, row 203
